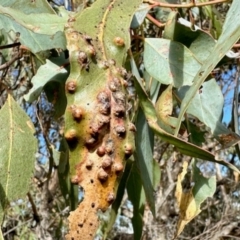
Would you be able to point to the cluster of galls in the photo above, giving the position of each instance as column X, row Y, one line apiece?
column 104, row 139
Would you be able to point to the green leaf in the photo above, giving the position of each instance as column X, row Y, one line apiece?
column 34, row 31
column 183, row 146
column 196, row 136
column 46, row 73
column 152, row 86
column 230, row 34
column 192, row 39
column 144, row 158
column 17, row 152
column 41, row 23
column 28, row 6
column 109, row 28
column 214, row 15
column 140, row 15
column 137, row 197
column 170, row 62
column 207, row 106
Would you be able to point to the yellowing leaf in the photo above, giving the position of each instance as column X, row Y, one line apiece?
column 164, row 106
column 189, row 202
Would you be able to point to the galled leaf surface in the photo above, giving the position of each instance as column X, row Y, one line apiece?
column 17, row 151
column 98, row 131
column 230, row 34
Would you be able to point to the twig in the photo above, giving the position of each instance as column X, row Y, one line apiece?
column 155, row 21
column 237, row 45
column 34, row 208
column 188, row 5
column 10, row 45
column 19, row 225
column 7, row 64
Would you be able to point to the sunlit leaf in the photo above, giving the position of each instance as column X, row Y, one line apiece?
column 164, row 107
column 139, row 15
column 39, row 31
column 17, row 153
column 193, row 39
column 170, row 62
column 183, row 146
column 207, row 106
column 28, row 6
column 230, row 34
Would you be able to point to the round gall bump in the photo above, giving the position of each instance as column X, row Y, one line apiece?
column 120, row 130
column 119, row 42
column 110, row 198
column 103, row 97
column 75, row 179
column 71, row 135
column 114, row 84
column 71, row 86
column 112, row 62
column 82, row 57
column 118, row 168
column 102, row 119
column 102, row 176
column 128, row 149
column 122, row 72
column 76, row 112
column 103, row 65
column 107, row 162
column 90, row 141
column 132, row 127
column 119, row 110
column 104, row 108
column 90, row 50
column 109, row 147
column 119, row 97
column 89, row 164
column 101, row 151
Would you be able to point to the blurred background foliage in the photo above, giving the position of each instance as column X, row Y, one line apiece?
column 43, row 214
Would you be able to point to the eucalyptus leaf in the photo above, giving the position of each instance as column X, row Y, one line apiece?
column 207, row 106
column 170, row 62
column 46, row 73
column 137, row 197
column 144, row 157
column 183, row 146
column 28, row 6
column 17, row 153
column 230, row 34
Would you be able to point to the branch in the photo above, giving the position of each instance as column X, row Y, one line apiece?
column 155, row 21
column 10, row 45
column 188, row 5
column 7, row 64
